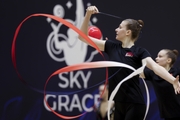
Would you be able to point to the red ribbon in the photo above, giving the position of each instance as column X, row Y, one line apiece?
column 65, row 69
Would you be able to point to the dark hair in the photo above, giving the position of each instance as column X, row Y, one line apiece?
column 135, row 26
column 173, row 55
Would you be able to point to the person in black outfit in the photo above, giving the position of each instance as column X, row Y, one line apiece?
column 168, row 101
column 102, row 107
column 129, row 102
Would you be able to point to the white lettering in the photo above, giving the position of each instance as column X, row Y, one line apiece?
column 86, row 78
column 63, row 104
column 75, row 103
column 84, row 102
column 73, row 79
column 96, row 99
column 54, row 103
column 66, row 81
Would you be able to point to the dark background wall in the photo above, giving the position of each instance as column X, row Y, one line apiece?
column 20, row 102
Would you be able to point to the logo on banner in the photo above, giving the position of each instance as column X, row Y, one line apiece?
column 64, row 46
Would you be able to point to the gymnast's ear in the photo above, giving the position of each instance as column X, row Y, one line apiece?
column 128, row 32
column 169, row 60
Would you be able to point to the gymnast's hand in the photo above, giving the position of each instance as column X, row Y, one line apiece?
column 92, row 10
column 176, row 85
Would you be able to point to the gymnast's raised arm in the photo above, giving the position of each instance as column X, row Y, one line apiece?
column 84, row 28
column 163, row 73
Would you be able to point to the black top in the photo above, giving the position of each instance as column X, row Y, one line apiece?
column 168, row 101
column 130, row 90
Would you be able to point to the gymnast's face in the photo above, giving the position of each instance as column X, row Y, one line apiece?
column 162, row 59
column 101, row 88
column 121, row 31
